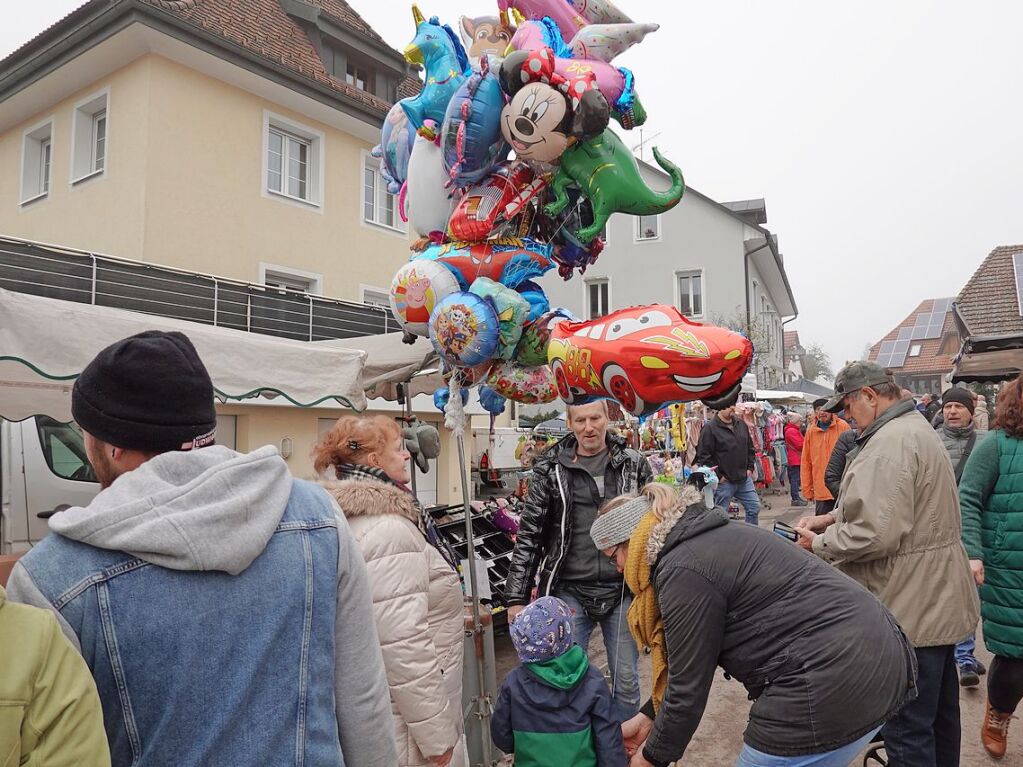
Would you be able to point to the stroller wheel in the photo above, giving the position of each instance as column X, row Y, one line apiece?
column 876, row 755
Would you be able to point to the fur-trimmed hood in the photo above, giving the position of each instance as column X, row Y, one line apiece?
column 359, row 498
column 689, row 518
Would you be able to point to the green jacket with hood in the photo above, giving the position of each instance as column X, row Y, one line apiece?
column 558, row 712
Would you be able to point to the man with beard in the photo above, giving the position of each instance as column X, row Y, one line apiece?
column 821, row 437
column 222, row 606
column 960, row 436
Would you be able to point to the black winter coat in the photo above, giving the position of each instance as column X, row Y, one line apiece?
column 545, row 525
column 839, row 458
column 823, row 659
column 729, row 449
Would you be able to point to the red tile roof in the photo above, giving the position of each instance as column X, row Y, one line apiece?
column 989, row 303
column 265, row 29
column 930, row 359
column 791, row 339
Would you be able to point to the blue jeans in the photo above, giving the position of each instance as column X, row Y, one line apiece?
column 622, row 655
column 964, row 652
column 840, row 757
column 926, row 731
column 794, row 482
column 746, row 494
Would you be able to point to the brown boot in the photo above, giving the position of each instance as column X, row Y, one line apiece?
column 994, row 733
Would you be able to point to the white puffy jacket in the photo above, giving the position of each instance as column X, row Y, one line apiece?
column 417, row 599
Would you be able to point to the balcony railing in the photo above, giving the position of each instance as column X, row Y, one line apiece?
column 74, row 275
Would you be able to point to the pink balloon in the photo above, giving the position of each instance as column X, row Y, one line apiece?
column 562, row 13
column 611, row 82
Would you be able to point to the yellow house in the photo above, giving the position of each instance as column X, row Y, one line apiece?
column 217, row 137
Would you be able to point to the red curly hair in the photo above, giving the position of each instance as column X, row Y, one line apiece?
column 1009, row 410
column 352, row 439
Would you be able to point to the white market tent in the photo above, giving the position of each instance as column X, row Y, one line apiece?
column 390, row 361
column 45, row 343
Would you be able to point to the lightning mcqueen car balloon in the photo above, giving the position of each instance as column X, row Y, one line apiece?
column 646, row 357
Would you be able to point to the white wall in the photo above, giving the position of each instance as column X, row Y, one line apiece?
column 694, row 235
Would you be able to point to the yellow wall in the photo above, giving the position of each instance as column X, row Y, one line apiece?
column 103, row 214
column 183, row 186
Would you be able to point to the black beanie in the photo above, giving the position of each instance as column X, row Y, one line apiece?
column 149, row 392
column 960, row 395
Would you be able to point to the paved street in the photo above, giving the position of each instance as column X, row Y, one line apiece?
column 719, row 738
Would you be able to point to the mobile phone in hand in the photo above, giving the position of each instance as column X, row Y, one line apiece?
column 786, row 531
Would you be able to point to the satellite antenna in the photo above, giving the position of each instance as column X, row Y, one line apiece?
column 642, row 142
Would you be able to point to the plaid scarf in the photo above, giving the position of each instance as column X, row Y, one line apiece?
column 427, row 524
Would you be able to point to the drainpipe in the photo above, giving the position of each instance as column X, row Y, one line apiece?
column 745, row 270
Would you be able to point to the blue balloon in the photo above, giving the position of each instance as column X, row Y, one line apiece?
column 443, row 394
column 439, row 50
column 491, row 401
column 464, row 329
column 539, row 304
column 395, row 148
column 471, row 133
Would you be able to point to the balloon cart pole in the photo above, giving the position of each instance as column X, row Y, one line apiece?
column 484, row 700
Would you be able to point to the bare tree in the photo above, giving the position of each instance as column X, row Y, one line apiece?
column 816, row 364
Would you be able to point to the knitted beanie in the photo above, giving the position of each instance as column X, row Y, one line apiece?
column 148, row 392
column 960, row 395
column 542, row 631
column 618, row 525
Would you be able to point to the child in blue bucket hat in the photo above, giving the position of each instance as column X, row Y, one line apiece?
column 555, row 709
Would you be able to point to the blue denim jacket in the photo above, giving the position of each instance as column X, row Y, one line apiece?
column 204, row 667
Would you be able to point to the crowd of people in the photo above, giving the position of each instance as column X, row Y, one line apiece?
column 207, row 608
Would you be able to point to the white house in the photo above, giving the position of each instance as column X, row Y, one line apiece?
column 716, row 262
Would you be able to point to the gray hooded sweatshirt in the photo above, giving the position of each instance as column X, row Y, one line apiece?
column 215, row 510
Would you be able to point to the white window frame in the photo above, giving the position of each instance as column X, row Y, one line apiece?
column 314, row 279
column 400, row 227
column 315, row 162
column 83, row 137
column 587, row 284
column 679, row 274
column 636, row 234
column 914, row 350
column 36, row 175
column 1017, row 273
column 384, row 293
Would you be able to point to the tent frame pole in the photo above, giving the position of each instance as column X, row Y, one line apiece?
column 484, row 701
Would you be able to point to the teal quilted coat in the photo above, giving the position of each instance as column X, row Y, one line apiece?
column 991, row 498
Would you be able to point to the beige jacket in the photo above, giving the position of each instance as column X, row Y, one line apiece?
column 417, row 599
column 897, row 529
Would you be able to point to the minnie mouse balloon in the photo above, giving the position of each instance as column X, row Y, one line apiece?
column 547, row 112
column 464, row 330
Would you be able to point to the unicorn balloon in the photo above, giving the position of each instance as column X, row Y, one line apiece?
column 438, row 49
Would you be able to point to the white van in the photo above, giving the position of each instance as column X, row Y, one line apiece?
column 43, row 468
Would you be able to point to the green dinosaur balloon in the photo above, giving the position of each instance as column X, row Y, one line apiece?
column 607, row 174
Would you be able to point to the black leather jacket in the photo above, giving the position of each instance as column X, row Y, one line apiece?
column 545, row 526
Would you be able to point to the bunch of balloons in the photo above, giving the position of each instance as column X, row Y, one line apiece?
column 505, row 166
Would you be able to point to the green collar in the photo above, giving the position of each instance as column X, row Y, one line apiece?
column 563, row 672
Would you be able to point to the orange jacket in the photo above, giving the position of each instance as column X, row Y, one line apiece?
column 817, row 449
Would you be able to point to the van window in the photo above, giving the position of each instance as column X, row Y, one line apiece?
column 64, row 450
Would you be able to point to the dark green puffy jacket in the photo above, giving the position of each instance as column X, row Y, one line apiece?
column 991, row 498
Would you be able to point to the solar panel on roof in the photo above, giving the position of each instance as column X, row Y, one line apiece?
column 905, row 333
